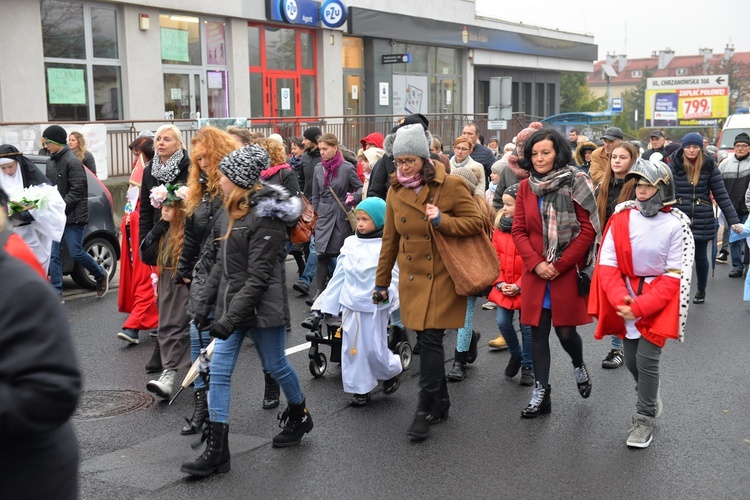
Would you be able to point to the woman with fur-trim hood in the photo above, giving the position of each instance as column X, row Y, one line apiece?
column 583, row 155
column 247, row 285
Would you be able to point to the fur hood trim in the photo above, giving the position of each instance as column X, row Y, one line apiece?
column 275, row 202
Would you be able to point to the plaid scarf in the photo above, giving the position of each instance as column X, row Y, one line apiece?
column 169, row 170
column 558, row 190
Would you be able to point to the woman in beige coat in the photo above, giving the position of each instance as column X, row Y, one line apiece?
column 429, row 303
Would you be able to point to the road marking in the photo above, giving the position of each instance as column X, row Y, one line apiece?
column 297, row 348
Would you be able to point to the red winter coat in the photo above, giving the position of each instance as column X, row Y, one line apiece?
column 568, row 307
column 511, row 268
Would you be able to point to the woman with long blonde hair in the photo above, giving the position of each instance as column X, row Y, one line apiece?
column 77, row 144
column 202, row 208
column 247, row 286
column 697, row 179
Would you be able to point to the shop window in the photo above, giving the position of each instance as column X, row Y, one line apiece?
column 253, row 45
column 216, row 45
column 180, row 40
column 104, row 33
column 446, row 61
column 307, row 49
column 419, row 57
column 81, row 61
column 308, row 95
column 256, row 95
column 540, row 108
column 281, row 49
column 551, row 99
column 353, row 54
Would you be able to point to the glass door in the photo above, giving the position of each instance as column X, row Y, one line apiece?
column 353, row 95
column 446, row 95
column 182, row 95
column 284, row 96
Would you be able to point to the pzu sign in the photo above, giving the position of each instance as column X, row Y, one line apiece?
column 333, row 13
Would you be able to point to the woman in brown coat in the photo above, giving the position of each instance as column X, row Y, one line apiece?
column 429, row 303
column 554, row 227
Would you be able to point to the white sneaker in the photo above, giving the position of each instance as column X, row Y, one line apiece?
column 488, row 306
column 641, row 434
column 163, row 387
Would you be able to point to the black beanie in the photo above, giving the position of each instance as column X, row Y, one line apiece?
column 56, row 134
column 742, row 137
column 312, row 134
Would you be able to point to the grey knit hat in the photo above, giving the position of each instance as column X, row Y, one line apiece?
column 468, row 175
column 499, row 165
column 411, row 140
column 242, row 166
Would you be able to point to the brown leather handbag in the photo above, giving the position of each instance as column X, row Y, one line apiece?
column 471, row 261
column 305, row 227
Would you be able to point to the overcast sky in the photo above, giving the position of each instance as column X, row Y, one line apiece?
column 637, row 27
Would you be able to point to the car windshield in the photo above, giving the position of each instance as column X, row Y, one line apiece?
column 728, row 135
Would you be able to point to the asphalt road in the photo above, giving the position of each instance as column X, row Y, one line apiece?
column 701, row 447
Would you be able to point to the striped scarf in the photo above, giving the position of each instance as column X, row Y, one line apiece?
column 558, row 190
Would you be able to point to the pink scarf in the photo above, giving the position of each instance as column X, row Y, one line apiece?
column 270, row 172
column 331, row 168
column 414, row 182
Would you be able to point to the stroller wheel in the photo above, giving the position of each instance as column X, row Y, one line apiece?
column 318, row 365
column 404, row 352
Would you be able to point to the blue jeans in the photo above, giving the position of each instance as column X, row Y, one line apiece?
column 615, row 342
column 396, row 318
column 505, row 325
column 73, row 240
column 270, row 343
column 701, row 263
column 739, row 261
column 311, row 266
column 195, row 350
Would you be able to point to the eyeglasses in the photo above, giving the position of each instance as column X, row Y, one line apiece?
column 740, row 145
column 461, row 149
column 409, row 162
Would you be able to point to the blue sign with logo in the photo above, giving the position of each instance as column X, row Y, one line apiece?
column 304, row 12
column 617, row 104
column 333, row 13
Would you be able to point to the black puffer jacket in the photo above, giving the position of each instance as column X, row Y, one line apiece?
column 148, row 214
column 695, row 201
column 247, row 284
column 200, row 247
column 65, row 171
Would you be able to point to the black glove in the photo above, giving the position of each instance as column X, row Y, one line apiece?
column 221, row 330
column 24, row 216
column 201, row 322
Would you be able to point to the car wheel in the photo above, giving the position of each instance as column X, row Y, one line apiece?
column 104, row 254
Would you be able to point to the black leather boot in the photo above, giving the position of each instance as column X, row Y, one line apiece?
column 440, row 405
column 271, row 394
column 458, row 372
column 295, row 422
column 472, row 354
column 154, row 364
column 195, row 423
column 215, row 457
column 540, row 402
column 419, row 430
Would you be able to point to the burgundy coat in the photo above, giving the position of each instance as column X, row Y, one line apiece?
column 568, row 308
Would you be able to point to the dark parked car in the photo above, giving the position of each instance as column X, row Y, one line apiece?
column 101, row 236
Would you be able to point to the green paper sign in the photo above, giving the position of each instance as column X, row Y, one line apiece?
column 66, row 86
column 174, row 45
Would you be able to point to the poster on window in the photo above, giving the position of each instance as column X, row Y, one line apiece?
column 409, row 94
column 215, row 41
column 174, row 45
column 66, row 86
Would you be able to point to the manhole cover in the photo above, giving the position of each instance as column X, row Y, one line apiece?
column 108, row 403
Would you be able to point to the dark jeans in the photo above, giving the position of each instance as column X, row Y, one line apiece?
column 73, row 241
column 432, row 361
column 701, row 262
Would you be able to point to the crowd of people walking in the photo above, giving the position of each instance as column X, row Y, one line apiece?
column 581, row 233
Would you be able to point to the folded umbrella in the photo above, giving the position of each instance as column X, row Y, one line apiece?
column 200, row 366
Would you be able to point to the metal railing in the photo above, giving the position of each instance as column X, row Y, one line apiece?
column 348, row 129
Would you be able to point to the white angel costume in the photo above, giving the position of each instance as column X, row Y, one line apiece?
column 365, row 357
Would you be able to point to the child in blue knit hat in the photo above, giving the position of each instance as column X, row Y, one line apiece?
column 365, row 357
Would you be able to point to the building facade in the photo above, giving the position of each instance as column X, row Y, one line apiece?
column 79, row 60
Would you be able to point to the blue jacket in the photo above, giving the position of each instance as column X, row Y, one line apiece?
column 695, row 201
